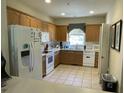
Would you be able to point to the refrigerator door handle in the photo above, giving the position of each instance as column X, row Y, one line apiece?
column 30, row 62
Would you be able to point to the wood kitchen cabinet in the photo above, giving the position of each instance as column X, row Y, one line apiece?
column 57, row 58
column 34, row 22
column 61, row 32
column 92, row 32
column 20, row 18
column 71, row 57
column 25, row 20
column 39, row 24
column 96, row 59
column 52, row 31
column 44, row 27
column 13, row 17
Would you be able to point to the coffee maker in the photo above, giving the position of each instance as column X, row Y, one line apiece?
column 61, row 45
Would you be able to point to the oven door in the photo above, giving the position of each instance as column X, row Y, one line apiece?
column 49, row 62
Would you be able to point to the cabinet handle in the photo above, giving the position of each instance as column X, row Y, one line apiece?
column 102, row 57
column 88, row 57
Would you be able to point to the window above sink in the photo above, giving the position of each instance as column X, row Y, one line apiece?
column 76, row 37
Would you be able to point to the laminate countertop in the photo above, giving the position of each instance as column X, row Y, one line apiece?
column 20, row 85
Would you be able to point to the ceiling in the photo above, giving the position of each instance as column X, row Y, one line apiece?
column 72, row 8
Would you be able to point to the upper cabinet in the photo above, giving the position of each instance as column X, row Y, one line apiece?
column 13, row 17
column 35, row 23
column 61, row 32
column 92, row 32
column 52, row 31
column 44, row 27
column 20, row 18
column 25, row 20
column 56, row 32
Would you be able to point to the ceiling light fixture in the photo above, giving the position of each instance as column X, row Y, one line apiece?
column 48, row 1
column 62, row 14
column 91, row 12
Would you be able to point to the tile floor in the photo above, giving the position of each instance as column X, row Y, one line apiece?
column 77, row 76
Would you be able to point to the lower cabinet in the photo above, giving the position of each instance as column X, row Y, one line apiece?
column 57, row 58
column 71, row 57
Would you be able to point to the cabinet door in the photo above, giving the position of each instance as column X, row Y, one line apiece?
column 92, row 33
column 25, row 20
column 39, row 24
column 13, row 17
column 61, row 33
column 54, row 32
column 45, row 27
column 57, row 61
column 52, row 29
column 71, row 57
column 35, row 23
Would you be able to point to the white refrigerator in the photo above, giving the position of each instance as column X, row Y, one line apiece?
column 25, row 52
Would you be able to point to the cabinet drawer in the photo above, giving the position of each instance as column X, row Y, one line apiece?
column 88, row 64
column 88, row 56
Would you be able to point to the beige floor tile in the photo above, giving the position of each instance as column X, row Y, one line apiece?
column 85, row 78
column 46, row 78
column 61, row 81
column 95, row 78
column 77, row 84
column 77, row 76
column 63, row 78
column 66, row 71
column 79, row 73
column 52, row 80
column 72, row 73
column 70, row 78
column 67, row 82
column 87, row 81
column 95, row 81
column 78, row 79
column 64, row 75
column 54, row 77
column 87, row 74
column 96, row 86
column 86, row 86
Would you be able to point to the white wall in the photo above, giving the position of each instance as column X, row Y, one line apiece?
column 88, row 20
column 17, row 4
column 113, row 16
column 4, row 34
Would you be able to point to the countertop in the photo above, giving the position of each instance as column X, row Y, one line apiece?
column 20, row 85
column 68, row 49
